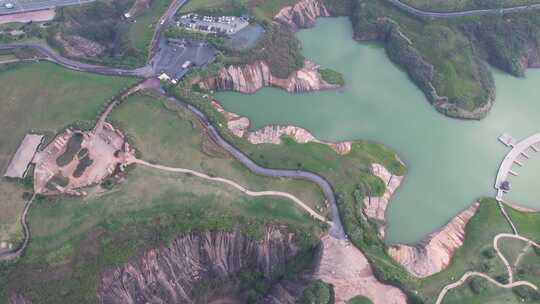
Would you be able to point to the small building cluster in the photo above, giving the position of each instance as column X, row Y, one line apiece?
column 227, row 25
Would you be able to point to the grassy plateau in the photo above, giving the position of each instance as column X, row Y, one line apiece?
column 43, row 98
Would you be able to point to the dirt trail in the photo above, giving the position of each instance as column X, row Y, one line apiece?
column 11, row 255
column 237, row 186
column 511, row 282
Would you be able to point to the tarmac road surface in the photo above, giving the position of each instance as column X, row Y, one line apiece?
column 53, row 56
column 23, row 6
column 336, row 231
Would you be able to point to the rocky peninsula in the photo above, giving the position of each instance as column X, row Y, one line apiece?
column 272, row 134
column 302, row 14
column 375, row 206
column 249, row 78
column 433, row 254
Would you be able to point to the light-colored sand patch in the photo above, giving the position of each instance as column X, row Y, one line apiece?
column 345, row 267
column 37, row 16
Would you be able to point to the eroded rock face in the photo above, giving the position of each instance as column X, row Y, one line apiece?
column 80, row 47
column 170, row 274
column 272, row 134
column 302, row 14
column 433, row 254
column 375, row 206
column 531, row 59
column 18, row 299
column 249, row 78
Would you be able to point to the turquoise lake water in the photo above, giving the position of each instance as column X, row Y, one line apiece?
column 450, row 162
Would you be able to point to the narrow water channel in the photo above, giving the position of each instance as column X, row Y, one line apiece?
column 450, row 162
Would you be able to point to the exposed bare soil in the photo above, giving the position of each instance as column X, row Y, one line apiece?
column 102, row 150
column 347, row 269
column 37, row 16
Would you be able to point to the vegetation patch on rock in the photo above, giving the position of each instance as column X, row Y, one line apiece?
column 332, row 77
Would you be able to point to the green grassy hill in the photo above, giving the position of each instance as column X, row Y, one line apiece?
column 45, row 98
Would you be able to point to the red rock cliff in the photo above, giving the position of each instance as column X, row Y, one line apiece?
column 248, row 78
column 170, row 274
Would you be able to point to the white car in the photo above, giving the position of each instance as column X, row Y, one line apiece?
column 9, row 5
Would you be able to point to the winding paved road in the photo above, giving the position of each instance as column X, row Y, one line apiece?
column 53, row 56
column 237, row 186
column 164, row 21
column 336, row 230
column 495, row 11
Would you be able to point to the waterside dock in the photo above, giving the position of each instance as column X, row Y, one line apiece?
column 519, row 149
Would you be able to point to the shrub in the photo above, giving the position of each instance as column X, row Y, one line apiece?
column 477, row 285
column 526, row 293
column 317, row 292
column 489, row 253
column 108, row 183
column 485, row 266
column 332, row 77
column 503, row 279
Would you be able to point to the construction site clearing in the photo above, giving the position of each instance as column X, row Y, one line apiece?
column 76, row 159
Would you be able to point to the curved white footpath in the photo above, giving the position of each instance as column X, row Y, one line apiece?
column 511, row 283
column 239, row 187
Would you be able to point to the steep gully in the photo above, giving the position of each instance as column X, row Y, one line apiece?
column 173, row 273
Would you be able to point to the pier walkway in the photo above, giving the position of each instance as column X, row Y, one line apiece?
column 519, row 149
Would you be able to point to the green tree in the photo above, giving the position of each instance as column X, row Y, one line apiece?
column 317, row 292
column 477, row 285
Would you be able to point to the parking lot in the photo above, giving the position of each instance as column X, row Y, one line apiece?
column 19, row 6
column 174, row 53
